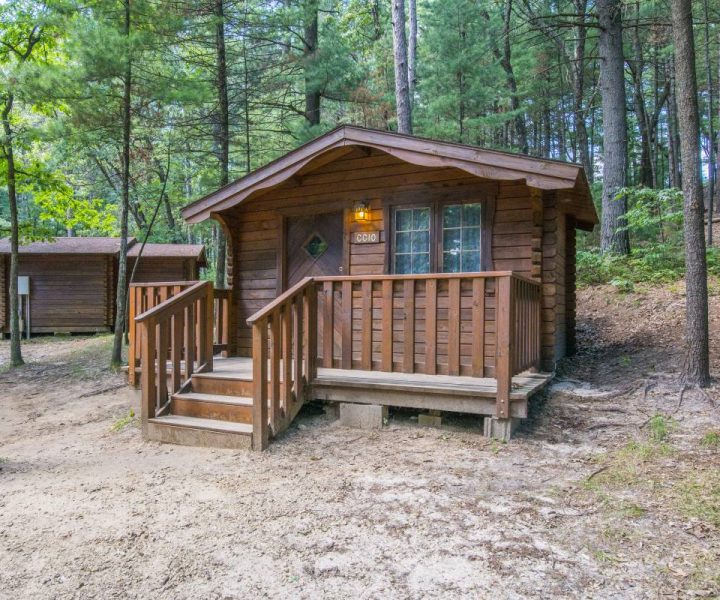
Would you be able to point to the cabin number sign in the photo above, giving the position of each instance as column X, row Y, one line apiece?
column 366, row 237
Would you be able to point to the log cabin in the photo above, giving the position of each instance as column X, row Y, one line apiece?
column 373, row 270
column 72, row 281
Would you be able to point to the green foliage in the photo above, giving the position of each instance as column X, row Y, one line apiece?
column 711, row 439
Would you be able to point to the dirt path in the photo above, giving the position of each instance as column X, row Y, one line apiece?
column 598, row 497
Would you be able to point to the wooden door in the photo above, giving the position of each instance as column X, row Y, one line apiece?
column 314, row 246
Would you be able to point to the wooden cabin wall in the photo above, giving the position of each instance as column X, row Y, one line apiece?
column 525, row 233
column 67, row 293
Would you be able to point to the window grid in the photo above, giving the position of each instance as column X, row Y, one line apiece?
column 412, row 241
column 461, row 238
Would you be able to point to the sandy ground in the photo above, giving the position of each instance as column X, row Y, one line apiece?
column 597, row 497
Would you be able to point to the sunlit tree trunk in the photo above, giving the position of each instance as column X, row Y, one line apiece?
column 697, row 363
column 222, row 134
column 613, row 238
column 402, row 91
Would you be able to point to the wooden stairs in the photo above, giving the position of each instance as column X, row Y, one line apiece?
column 211, row 410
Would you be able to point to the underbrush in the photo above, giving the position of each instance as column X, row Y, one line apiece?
column 654, row 264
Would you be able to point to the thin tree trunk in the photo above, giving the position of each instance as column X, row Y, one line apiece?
column 673, row 141
column 312, row 93
column 578, row 85
column 121, row 292
column 506, row 63
column 222, row 135
column 697, row 365
column 613, row 238
column 412, row 50
column 402, row 92
column 15, row 350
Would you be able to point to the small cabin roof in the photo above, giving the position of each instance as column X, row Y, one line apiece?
column 196, row 251
column 108, row 246
column 68, row 245
column 540, row 173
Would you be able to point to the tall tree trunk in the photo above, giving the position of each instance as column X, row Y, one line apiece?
column 613, row 238
column 711, row 133
column 578, row 85
column 412, row 50
column 15, row 350
column 222, row 135
column 697, row 365
column 312, row 93
column 402, row 92
column 121, row 292
column 673, row 141
column 506, row 63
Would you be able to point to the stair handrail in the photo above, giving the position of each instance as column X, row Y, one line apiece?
column 284, row 333
column 179, row 333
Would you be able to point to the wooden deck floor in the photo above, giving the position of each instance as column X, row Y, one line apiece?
column 417, row 390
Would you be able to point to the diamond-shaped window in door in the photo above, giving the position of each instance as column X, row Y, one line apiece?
column 315, row 246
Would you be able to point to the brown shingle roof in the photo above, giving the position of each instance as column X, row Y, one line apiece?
column 69, row 245
column 196, row 251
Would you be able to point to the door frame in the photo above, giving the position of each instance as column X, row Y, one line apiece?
column 281, row 285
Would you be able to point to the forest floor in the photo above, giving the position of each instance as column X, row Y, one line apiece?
column 610, row 490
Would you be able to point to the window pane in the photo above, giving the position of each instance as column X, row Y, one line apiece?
column 402, row 241
column 451, row 262
column 471, row 261
column 452, row 215
column 421, row 218
column 421, row 263
column 421, row 241
column 403, row 220
column 471, row 238
column 451, row 239
column 471, row 215
column 403, row 263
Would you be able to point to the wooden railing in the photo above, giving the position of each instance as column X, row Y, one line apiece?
column 176, row 340
column 284, row 335
column 474, row 324
column 144, row 296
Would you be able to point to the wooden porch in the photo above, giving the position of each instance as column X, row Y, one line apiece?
column 465, row 343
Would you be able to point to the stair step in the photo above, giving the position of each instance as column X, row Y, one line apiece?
column 204, row 424
column 237, row 409
column 193, row 431
column 209, row 383
column 215, row 398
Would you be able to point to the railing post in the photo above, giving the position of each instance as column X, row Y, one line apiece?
column 260, row 388
column 209, row 326
column 147, row 365
column 132, row 326
column 504, row 323
column 311, row 319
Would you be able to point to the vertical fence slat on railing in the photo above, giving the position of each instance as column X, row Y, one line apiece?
column 328, row 324
column 504, row 337
column 147, row 376
column 310, row 318
column 431, row 326
column 189, row 340
column 346, row 326
column 366, row 326
column 176, row 345
column 454, row 326
column 297, row 348
column 209, row 321
column 409, row 326
column 162, row 348
column 287, row 329
column 275, row 358
column 478, row 327
column 387, row 325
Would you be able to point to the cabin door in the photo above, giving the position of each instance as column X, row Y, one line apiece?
column 314, row 246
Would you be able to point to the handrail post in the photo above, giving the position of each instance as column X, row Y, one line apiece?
column 209, row 325
column 311, row 318
column 504, row 323
column 260, row 387
column 147, row 375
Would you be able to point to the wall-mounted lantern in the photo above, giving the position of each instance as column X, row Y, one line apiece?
column 362, row 211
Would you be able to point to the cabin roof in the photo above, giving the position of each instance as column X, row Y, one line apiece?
column 109, row 246
column 68, row 245
column 496, row 165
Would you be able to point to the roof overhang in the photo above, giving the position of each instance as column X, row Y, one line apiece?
column 488, row 164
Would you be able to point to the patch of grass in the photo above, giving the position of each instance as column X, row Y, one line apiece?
column 711, row 439
column 698, row 496
column 122, row 422
column 660, row 427
column 605, row 557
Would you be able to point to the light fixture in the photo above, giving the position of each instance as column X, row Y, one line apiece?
column 362, row 211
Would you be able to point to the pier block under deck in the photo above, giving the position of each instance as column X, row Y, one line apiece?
column 363, row 416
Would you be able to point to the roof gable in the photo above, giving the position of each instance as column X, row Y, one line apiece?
column 489, row 164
